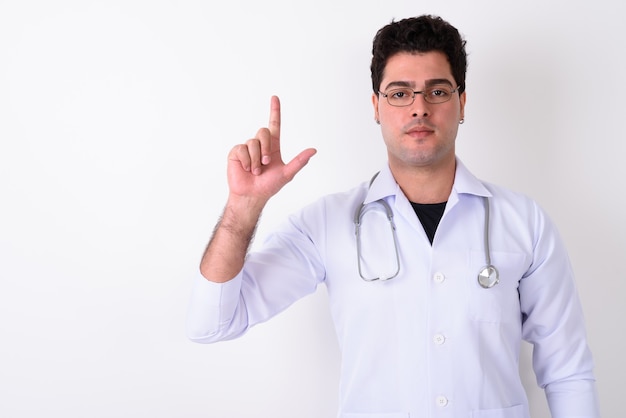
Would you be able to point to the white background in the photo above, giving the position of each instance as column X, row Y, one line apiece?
column 115, row 121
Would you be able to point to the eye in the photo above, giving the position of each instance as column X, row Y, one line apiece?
column 399, row 94
column 438, row 92
column 400, row 97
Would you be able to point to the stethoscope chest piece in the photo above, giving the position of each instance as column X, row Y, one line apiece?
column 488, row 277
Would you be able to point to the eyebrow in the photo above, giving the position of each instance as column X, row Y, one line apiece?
column 428, row 83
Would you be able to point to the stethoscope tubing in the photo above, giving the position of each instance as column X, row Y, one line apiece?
column 488, row 276
column 357, row 225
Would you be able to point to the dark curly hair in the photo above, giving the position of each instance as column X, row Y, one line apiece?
column 419, row 34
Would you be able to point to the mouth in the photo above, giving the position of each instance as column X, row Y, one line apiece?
column 419, row 131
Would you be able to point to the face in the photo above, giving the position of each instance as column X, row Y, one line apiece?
column 422, row 134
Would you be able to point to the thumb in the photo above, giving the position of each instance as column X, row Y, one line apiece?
column 298, row 162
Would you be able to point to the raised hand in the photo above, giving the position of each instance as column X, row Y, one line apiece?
column 256, row 170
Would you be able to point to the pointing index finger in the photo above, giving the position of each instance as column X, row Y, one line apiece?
column 274, row 130
column 274, row 124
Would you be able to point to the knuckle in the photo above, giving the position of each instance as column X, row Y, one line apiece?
column 236, row 150
column 263, row 133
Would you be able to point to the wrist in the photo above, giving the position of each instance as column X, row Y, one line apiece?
column 242, row 212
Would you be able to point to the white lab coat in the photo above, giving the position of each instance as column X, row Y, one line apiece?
column 430, row 342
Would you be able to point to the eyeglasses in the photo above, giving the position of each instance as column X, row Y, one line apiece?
column 406, row 96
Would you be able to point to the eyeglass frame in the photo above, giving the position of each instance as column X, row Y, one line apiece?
column 415, row 93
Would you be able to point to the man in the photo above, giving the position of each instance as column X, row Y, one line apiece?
column 434, row 277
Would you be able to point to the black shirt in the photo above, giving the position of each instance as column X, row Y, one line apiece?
column 429, row 215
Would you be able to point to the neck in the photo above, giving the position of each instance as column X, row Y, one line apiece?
column 426, row 184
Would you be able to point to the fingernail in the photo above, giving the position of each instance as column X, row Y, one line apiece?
column 256, row 171
column 266, row 160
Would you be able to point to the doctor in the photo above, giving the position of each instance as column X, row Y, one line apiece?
column 424, row 330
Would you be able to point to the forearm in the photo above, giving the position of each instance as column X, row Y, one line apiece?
column 233, row 234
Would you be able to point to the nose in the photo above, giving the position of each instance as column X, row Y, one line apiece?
column 420, row 107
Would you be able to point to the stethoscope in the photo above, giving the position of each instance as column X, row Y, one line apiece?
column 488, row 276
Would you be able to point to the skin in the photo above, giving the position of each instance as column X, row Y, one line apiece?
column 255, row 172
column 420, row 145
column 420, row 138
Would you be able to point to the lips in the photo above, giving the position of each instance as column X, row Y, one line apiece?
column 419, row 131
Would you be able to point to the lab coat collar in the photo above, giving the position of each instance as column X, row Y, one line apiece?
column 466, row 183
column 384, row 184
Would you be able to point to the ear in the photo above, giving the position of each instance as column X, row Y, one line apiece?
column 462, row 100
column 375, row 103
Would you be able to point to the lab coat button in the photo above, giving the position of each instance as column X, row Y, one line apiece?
column 439, row 277
column 441, row 401
column 439, row 339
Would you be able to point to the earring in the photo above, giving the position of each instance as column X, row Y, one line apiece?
column 377, row 122
column 462, row 121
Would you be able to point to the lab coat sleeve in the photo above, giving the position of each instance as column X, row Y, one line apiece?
column 553, row 322
column 212, row 308
column 286, row 268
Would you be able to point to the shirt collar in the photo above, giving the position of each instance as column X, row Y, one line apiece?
column 466, row 183
column 384, row 184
